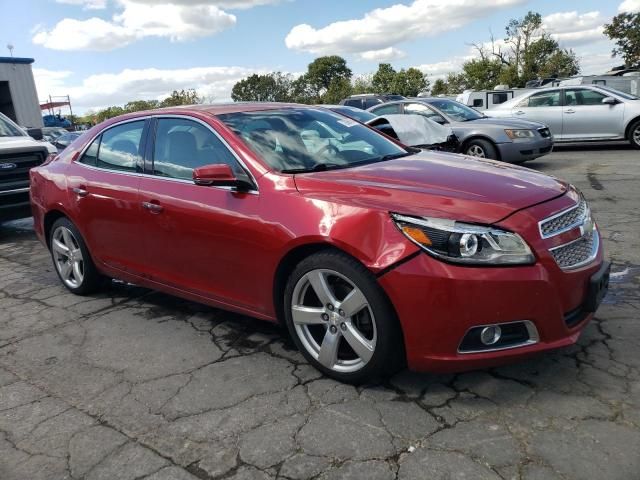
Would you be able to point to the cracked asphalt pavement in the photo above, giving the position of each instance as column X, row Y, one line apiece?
column 134, row 384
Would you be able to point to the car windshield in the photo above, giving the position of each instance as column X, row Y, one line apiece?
column 9, row 129
column 624, row 95
column 355, row 113
column 456, row 110
column 300, row 140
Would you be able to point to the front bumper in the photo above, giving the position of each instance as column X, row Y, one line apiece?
column 517, row 152
column 438, row 303
column 14, row 204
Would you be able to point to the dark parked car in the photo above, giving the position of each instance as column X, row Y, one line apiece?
column 368, row 100
column 352, row 112
column 63, row 141
column 371, row 254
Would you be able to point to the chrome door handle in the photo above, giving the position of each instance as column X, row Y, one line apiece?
column 152, row 207
column 519, row 112
column 81, row 192
column 569, row 111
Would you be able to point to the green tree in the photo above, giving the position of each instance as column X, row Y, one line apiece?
column 182, row 97
column 109, row 112
column 439, row 87
column 302, row 91
column 363, row 84
column 139, row 105
column 272, row 87
column 339, row 88
column 325, row 70
column 409, row 82
column 482, row 73
column 624, row 30
column 456, row 83
column 382, row 81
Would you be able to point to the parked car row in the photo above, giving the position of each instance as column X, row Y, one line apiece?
column 373, row 254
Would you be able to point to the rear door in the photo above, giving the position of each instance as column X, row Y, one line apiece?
column 103, row 192
column 544, row 107
column 586, row 117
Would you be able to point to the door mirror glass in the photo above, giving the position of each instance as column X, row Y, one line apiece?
column 438, row 119
column 609, row 101
column 217, row 174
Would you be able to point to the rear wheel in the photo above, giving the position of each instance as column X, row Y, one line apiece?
column 71, row 258
column 481, row 149
column 634, row 134
column 341, row 320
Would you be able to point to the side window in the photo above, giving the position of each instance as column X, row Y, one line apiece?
column 499, row 98
column 370, row 102
column 354, row 102
column 543, row 99
column 182, row 145
column 478, row 102
column 581, row 96
column 120, row 147
column 419, row 109
column 90, row 155
column 388, row 109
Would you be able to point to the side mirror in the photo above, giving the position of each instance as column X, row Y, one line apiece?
column 35, row 133
column 609, row 101
column 219, row 175
column 438, row 119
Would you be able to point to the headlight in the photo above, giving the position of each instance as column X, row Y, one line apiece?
column 519, row 134
column 465, row 243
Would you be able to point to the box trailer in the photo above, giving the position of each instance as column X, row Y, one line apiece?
column 18, row 95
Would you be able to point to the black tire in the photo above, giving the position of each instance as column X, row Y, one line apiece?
column 388, row 351
column 91, row 279
column 634, row 134
column 477, row 145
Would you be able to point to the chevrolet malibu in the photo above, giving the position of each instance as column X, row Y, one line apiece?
column 372, row 254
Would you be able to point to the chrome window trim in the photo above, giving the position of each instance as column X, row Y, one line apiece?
column 534, row 337
column 142, row 174
column 219, row 137
column 594, row 250
column 575, row 224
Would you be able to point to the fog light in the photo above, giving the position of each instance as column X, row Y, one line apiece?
column 490, row 335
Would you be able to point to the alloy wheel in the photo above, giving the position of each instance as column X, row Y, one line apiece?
column 476, row 151
column 636, row 135
column 67, row 257
column 333, row 320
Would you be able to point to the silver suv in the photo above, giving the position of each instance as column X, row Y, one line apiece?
column 578, row 113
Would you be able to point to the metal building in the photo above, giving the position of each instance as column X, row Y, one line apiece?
column 18, row 95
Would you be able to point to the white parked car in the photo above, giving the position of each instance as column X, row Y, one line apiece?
column 578, row 113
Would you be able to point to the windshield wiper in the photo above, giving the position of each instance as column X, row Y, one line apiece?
column 318, row 167
column 393, row 156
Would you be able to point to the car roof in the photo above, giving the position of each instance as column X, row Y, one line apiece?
column 218, row 108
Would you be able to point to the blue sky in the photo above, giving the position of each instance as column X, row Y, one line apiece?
column 106, row 52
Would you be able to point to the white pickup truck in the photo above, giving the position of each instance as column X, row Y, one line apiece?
column 18, row 154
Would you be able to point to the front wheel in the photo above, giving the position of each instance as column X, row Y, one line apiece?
column 481, row 149
column 341, row 320
column 634, row 135
column 71, row 258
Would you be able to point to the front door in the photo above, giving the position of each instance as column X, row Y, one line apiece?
column 585, row 117
column 544, row 107
column 103, row 186
column 199, row 239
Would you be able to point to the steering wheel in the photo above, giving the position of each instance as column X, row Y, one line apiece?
column 329, row 150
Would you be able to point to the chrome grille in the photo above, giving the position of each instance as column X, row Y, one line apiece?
column 564, row 221
column 577, row 253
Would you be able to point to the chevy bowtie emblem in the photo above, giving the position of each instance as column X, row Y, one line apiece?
column 8, row 166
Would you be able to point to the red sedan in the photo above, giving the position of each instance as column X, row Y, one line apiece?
column 372, row 254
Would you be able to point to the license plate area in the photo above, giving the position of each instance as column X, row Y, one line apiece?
column 598, row 286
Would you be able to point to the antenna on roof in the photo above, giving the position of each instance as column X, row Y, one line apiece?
column 10, row 47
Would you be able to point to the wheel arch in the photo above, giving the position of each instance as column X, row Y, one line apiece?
column 627, row 131
column 49, row 219
column 480, row 136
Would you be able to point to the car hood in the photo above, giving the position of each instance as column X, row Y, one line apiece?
column 24, row 142
column 501, row 122
column 435, row 184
